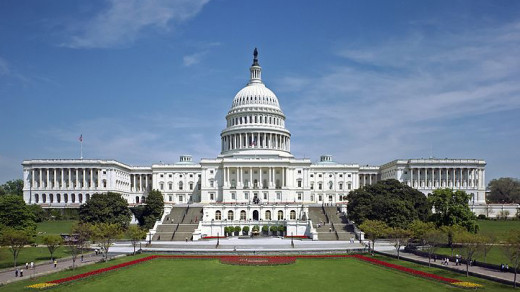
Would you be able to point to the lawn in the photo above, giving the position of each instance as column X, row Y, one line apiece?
column 499, row 229
column 55, row 227
column 28, row 254
column 210, row 275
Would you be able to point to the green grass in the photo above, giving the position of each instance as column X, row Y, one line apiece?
column 52, row 227
column 209, row 275
column 498, row 228
column 28, row 254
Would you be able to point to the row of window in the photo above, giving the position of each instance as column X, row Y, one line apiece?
column 254, row 119
column 331, row 185
column 51, row 198
column 180, row 186
column 243, row 215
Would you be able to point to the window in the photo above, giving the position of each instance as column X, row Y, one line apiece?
column 161, row 186
column 104, row 172
column 170, row 186
column 265, row 196
column 299, row 171
column 280, row 215
column 191, row 186
column 312, row 197
column 299, row 196
column 242, row 215
column 349, row 186
column 319, row 175
column 299, row 183
column 162, row 175
column 181, row 185
column 330, row 175
column 170, row 175
column 340, row 175
column 36, row 198
column 218, row 216
column 191, row 175
column 246, row 195
column 230, row 215
column 170, row 198
column 312, row 186
column 293, row 215
column 267, row 215
column 319, row 186
column 349, row 175
column 278, row 196
column 340, row 186
column 211, row 183
column 312, row 175
column 211, row 171
column 233, row 196
column 212, row 196
column 330, row 185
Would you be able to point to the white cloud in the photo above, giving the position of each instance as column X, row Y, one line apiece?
column 193, row 58
column 395, row 99
column 124, row 21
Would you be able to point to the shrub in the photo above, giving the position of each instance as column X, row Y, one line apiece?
column 482, row 217
column 265, row 229
column 256, row 228
column 273, row 229
column 245, row 230
column 237, row 230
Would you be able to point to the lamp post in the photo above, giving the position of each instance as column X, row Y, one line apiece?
column 149, row 238
column 292, row 240
column 218, row 240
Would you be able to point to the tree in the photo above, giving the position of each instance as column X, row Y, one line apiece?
column 105, row 208
column 451, row 208
column 488, row 241
column 400, row 237
column 153, row 209
column 135, row 234
column 237, row 230
column 471, row 245
column 419, row 230
column 53, row 242
column 433, row 239
column 273, row 229
column 245, row 230
column 374, row 229
column 451, row 232
column 15, row 240
column 79, row 236
column 15, row 213
column 504, row 190
column 106, row 234
column 389, row 201
column 12, row 187
column 39, row 214
column 512, row 250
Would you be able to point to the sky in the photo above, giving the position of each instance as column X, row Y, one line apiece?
column 365, row 81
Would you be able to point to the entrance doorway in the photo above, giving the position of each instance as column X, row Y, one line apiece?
column 255, row 215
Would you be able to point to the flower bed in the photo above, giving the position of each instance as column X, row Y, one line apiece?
column 257, row 260
column 213, row 237
column 261, row 261
column 297, row 236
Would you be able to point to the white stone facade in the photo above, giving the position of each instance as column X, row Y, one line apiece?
column 255, row 172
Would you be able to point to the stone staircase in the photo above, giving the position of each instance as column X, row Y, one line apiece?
column 179, row 224
column 330, row 224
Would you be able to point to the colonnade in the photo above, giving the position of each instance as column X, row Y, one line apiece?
column 63, row 178
column 367, row 179
column 435, row 177
column 245, row 178
column 140, row 182
column 256, row 140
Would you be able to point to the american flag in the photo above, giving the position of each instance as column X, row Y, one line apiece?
column 81, row 138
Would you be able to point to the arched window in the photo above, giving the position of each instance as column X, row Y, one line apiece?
column 293, row 215
column 230, row 215
column 51, row 198
column 44, row 198
column 88, row 197
column 181, row 185
column 143, row 199
column 218, row 215
column 242, row 215
column 36, row 198
column 73, row 198
column 330, row 185
column 280, row 215
column 267, row 215
column 80, row 198
column 137, row 199
column 58, row 198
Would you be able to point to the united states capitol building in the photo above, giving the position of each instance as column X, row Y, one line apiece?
column 254, row 181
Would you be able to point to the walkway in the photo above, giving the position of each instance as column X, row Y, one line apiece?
column 8, row 275
column 481, row 272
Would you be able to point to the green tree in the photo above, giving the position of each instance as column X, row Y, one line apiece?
column 389, row 201
column 433, row 239
column 488, row 240
column 237, row 230
column 39, row 214
column 15, row 240
column 80, row 235
column 245, row 230
column 504, row 190
column 512, row 250
column 153, row 209
column 12, row 187
column 374, row 229
column 451, row 208
column 451, row 232
column 273, row 229
column 135, row 234
column 400, row 237
column 15, row 213
column 106, row 234
column 419, row 230
column 471, row 244
column 53, row 242
column 106, row 208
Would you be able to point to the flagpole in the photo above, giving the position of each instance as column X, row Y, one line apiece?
column 81, row 147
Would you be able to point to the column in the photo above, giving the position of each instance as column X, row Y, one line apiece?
column 411, row 178
column 48, row 178
column 62, row 181
column 32, row 178
column 370, row 179
column 140, row 183
column 84, row 177
column 251, row 177
column 70, row 178
column 146, row 182
column 283, row 176
column 260, row 183
column 55, row 178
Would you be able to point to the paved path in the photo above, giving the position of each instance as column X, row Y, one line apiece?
column 8, row 276
column 490, row 274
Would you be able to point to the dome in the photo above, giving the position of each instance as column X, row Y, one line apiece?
column 255, row 94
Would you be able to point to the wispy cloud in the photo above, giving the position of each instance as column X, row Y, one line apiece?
column 201, row 50
column 392, row 99
column 125, row 20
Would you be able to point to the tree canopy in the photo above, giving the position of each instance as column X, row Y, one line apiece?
column 389, row 201
column 147, row 214
column 106, row 208
column 15, row 213
column 451, row 208
column 12, row 187
column 504, row 190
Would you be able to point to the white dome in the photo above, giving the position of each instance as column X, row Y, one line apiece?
column 255, row 94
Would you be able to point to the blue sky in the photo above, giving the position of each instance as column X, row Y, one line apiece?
column 365, row 81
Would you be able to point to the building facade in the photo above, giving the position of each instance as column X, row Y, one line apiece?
column 255, row 169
